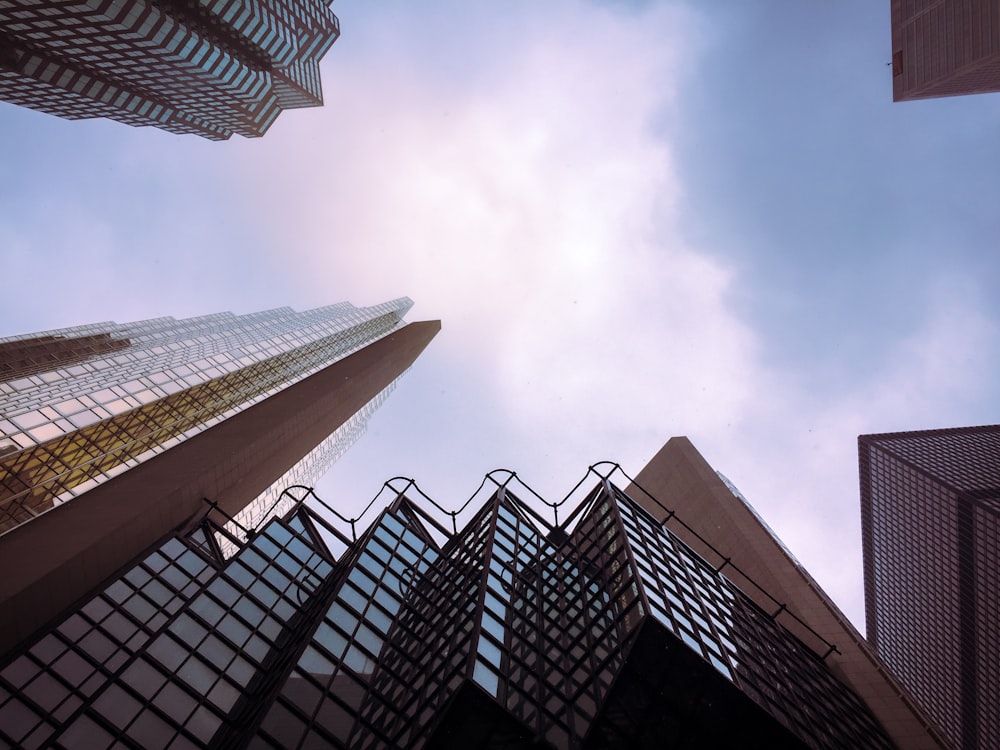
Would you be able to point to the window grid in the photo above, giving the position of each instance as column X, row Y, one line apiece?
column 170, row 380
column 281, row 646
column 212, row 70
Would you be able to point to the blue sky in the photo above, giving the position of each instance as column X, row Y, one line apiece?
column 634, row 220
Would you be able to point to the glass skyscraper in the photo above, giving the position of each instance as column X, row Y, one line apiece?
column 930, row 505
column 113, row 435
column 602, row 631
column 80, row 405
column 210, row 68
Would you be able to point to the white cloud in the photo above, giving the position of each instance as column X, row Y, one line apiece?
column 511, row 181
column 517, row 202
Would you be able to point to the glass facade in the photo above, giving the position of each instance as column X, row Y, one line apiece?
column 80, row 405
column 605, row 631
column 930, row 519
column 211, row 68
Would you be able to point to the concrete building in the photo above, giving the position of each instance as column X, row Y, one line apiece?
column 507, row 630
column 930, row 505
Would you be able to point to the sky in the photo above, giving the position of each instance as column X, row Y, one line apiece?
column 634, row 220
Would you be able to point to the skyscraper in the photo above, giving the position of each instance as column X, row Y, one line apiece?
column 495, row 626
column 944, row 48
column 604, row 631
column 210, row 68
column 930, row 509
column 710, row 508
column 113, row 435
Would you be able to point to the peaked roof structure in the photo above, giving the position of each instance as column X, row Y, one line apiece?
column 604, row 630
column 210, row 68
column 930, row 512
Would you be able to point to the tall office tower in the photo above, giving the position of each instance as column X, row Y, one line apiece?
column 211, row 68
column 604, row 630
column 944, row 48
column 113, row 435
column 755, row 559
column 930, row 509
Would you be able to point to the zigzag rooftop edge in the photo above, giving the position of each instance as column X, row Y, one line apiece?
column 603, row 630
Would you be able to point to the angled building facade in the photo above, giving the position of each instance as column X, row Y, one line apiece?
column 606, row 631
column 209, row 68
column 944, row 48
column 697, row 503
column 113, row 435
column 80, row 405
column 930, row 505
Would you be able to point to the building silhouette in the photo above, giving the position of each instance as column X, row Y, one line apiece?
column 944, row 48
column 113, row 435
column 930, row 505
column 209, row 68
column 488, row 627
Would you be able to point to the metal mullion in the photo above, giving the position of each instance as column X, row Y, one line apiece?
column 302, row 627
column 489, row 531
column 404, row 632
column 583, row 509
column 315, row 517
column 619, row 526
column 428, row 519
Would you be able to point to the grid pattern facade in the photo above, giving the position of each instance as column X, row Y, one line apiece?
column 169, row 655
column 509, row 633
column 320, row 700
column 931, row 526
column 70, row 420
column 211, row 68
column 518, row 617
column 944, row 48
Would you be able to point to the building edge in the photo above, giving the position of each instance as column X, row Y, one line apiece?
column 680, row 477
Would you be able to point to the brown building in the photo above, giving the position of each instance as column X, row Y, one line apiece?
column 930, row 508
column 708, row 513
column 944, row 48
column 211, row 68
